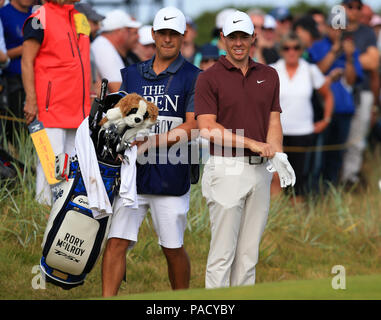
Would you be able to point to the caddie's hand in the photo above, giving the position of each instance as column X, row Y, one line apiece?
column 264, row 149
column 280, row 164
column 144, row 144
column 30, row 111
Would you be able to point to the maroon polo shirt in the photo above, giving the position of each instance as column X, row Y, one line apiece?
column 238, row 101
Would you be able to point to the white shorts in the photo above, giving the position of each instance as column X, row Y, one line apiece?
column 169, row 217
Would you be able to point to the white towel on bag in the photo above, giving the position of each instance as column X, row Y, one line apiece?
column 127, row 190
column 92, row 179
column 127, row 196
column 99, row 202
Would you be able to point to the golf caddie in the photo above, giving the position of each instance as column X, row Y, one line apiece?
column 237, row 110
column 168, row 81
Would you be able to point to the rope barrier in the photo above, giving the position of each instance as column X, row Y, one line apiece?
column 291, row 149
column 331, row 147
column 12, row 118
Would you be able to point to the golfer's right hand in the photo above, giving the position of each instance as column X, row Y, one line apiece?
column 30, row 111
column 264, row 149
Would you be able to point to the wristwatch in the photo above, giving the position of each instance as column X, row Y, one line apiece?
column 327, row 119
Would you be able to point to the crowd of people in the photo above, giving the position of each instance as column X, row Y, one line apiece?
column 319, row 88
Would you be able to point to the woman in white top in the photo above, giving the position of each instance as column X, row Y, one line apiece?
column 298, row 79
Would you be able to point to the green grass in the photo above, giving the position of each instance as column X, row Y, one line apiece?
column 301, row 242
column 357, row 287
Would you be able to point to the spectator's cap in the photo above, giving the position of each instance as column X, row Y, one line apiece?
column 118, row 19
column 170, row 18
column 89, row 12
column 238, row 21
column 221, row 17
column 270, row 22
column 209, row 51
column 349, row 1
column 375, row 21
column 281, row 13
column 189, row 21
column 145, row 36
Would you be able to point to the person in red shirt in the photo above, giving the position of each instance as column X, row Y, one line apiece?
column 237, row 109
column 56, row 76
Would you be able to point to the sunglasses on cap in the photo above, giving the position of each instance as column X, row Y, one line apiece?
column 288, row 48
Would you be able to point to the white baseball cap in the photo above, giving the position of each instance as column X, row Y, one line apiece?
column 238, row 21
column 118, row 19
column 270, row 22
column 145, row 36
column 170, row 18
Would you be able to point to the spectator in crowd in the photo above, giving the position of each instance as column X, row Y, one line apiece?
column 189, row 47
column 337, row 58
column 164, row 188
column 4, row 61
column 93, row 17
column 220, row 18
column 111, row 49
column 257, row 17
column 297, row 80
column 209, row 56
column 367, row 94
column 320, row 18
column 284, row 20
column 13, row 16
column 56, row 76
column 145, row 49
column 266, row 50
column 366, row 14
column 94, row 20
column 307, row 30
column 375, row 23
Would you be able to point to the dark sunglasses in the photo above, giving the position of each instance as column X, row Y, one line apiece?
column 351, row 6
column 287, row 48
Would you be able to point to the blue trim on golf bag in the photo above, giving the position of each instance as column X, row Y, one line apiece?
column 110, row 175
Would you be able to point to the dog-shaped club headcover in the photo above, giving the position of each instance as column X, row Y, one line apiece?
column 127, row 117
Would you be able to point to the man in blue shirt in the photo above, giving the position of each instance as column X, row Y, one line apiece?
column 337, row 57
column 168, row 81
column 13, row 16
column 367, row 94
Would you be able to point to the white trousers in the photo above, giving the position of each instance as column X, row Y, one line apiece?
column 238, row 198
column 353, row 157
column 62, row 141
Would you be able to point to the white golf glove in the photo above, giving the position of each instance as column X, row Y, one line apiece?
column 280, row 164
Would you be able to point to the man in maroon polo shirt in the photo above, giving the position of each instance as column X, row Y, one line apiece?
column 237, row 109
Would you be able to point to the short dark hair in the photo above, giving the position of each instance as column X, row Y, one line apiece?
column 313, row 11
column 309, row 24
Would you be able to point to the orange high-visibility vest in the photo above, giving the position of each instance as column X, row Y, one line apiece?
column 62, row 66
